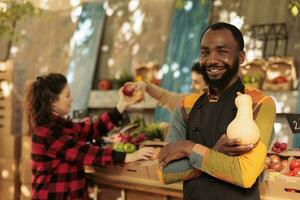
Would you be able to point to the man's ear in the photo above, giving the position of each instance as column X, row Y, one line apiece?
column 242, row 56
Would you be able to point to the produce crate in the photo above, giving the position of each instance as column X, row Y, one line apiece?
column 6, row 78
column 279, row 184
column 280, row 74
column 282, row 186
column 140, row 170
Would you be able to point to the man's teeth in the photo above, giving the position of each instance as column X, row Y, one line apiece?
column 215, row 70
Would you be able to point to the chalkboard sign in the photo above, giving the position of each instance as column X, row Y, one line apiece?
column 294, row 122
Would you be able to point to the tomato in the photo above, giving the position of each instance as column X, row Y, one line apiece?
column 295, row 164
column 296, row 172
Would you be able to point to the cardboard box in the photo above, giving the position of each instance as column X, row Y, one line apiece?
column 7, row 169
column 141, row 170
column 284, row 187
column 6, row 70
column 280, row 185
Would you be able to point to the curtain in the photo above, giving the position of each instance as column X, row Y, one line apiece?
column 85, row 43
column 189, row 20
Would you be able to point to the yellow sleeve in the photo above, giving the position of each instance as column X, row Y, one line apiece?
column 240, row 170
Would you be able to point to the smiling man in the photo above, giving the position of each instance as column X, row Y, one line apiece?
column 198, row 151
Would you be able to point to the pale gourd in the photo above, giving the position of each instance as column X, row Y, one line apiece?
column 243, row 126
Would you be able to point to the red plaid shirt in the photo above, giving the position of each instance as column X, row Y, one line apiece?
column 60, row 151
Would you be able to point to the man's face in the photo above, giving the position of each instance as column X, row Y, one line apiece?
column 220, row 58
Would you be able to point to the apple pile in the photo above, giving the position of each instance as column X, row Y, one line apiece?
column 128, row 138
column 279, row 147
column 125, row 147
column 126, row 142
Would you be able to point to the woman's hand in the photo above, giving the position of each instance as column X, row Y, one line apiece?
column 126, row 101
column 144, row 153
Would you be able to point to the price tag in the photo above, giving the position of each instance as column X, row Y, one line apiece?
column 294, row 122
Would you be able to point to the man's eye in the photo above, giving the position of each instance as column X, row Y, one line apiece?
column 203, row 53
column 223, row 52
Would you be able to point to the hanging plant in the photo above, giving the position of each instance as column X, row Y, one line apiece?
column 12, row 11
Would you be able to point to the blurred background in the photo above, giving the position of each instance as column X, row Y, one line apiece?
column 101, row 44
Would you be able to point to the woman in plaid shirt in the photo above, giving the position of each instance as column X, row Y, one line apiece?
column 59, row 146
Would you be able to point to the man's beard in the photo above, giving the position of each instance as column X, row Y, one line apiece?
column 222, row 82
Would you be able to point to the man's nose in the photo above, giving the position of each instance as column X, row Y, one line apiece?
column 212, row 58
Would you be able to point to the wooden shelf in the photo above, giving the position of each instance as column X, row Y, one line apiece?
column 108, row 99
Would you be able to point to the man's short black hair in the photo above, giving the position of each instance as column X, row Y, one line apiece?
column 238, row 36
column 196, row 68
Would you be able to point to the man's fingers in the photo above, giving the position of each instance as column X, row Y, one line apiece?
column 238, row 150
column 233, row 142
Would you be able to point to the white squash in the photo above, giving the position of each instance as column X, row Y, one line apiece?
column 243, row 126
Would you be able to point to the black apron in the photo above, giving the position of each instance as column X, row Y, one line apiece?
column 206, row 123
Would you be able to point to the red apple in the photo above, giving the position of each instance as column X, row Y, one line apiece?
column 276, row 144
column 118, row 137
column 283, row 146
column 128, row 90
column 104, row 84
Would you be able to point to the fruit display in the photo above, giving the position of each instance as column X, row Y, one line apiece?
column 105, row 84
column 279, row 147
column 129, row 138
column 243, row 125
column 275, row 163
column 280, row 74
column 275, row 73
column 253, row 73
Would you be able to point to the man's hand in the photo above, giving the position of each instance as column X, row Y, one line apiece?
column 231, row 147
column 175, row 151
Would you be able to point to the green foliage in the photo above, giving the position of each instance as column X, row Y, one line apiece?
column 124, row 77
column 11, row 12
column 153, row 131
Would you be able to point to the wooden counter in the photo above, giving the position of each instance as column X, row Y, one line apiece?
column 113, row 186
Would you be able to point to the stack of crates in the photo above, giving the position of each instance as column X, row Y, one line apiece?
column 8, row 142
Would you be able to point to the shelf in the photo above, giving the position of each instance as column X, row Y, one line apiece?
column 108, row 99
column 286, row 101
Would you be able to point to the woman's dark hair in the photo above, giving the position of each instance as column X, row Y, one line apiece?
column 41, row 93
column 238, row 36
column 196, row 68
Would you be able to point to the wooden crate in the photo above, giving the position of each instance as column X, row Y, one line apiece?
column 6, row 71
column 6, row 78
